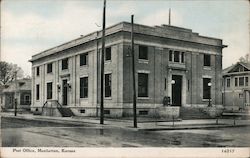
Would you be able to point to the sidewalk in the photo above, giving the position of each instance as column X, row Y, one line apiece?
column 128, row 124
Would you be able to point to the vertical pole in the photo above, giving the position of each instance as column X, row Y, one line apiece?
column 102, row 64
column 169, row 17
column 15, row 100
column 133, row 71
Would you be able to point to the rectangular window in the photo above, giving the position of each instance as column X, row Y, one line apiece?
column 65, row 64
column 106, row 112
column 207, row 60
column 143, row 52
column 49, row 90
column 108, row 81
column 246, row 81
column 176, row 56
column 84, row 87
column 170, row 55
column 37, row 71
column 228, row 82
column 182, row 57
column 27, row 99
column 143, row 112
column 37, row 92
column 49, row 68
column 108, row 54
column 241, row 81
column 165, row 84
column 236, row 82
column 142, row 85
column 206, row 88
column 83, row 59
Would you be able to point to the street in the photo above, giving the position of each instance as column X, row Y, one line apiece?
column 19, row 133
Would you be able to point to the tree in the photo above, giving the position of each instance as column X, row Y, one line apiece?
column 7, row 72
column 245, row 59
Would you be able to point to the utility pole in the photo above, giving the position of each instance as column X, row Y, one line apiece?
column 15, row 100
column 133, row 71
column 102, row 64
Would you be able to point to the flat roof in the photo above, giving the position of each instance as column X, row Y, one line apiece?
column 165, row 31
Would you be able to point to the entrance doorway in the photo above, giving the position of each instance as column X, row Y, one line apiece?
column 176, row 90
column 65, row 92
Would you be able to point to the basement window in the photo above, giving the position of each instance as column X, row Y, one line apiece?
column 106, row 112
column 143, row 112
column 82, row 111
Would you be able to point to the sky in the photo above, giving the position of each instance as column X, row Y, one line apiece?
column 32, row 26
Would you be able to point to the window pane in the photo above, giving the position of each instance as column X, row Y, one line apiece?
column 37, row 71
column 236, row 82
column 182, row 57
column 142, row 85
column 207, row 60
column 49, row 90
column 228, row 82
column 206, row 88
column 143, row 52
column 84, row 87
column 170, row 55
column 241, row 81
column 108, row 53
column 107, row 85
column 246, row 81
column 49, row 68
column 65, row 64
column 176, row 56
column 37, row 92
column 83, row 59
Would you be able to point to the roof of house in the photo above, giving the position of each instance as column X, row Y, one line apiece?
column 23, row 84
column 166, row 31
column 230, row 68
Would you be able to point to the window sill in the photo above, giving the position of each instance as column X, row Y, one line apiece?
column 206, row 100
column 207, row 67
column 107, row 61
column 143, row 61
column 143, row 98
column 84, row 65
column 175, row 62
column 108, row 98
column 84, row 98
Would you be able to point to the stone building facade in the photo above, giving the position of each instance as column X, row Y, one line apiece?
column 236, row 87
column 169, row 61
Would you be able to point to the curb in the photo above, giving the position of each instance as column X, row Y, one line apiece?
column 192, row 127
column 91, row 124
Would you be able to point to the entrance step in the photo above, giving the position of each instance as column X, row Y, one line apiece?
column 65, row 112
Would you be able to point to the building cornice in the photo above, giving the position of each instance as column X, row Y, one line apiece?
column 164, row 31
